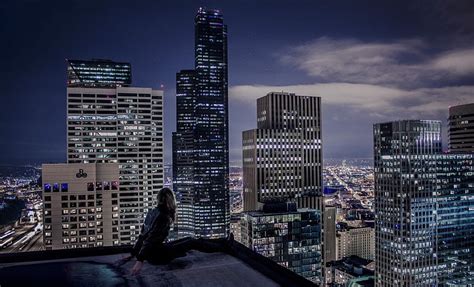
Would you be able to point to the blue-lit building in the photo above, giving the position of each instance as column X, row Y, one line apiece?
column 200, row 144
column 455, row 219
column 405, row 223
column 424, row 206
column 183, row 152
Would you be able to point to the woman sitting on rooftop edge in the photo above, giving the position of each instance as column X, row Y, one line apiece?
column 151, row 246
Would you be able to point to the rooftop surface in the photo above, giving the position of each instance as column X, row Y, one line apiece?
column 239, row 267
column 196, row 269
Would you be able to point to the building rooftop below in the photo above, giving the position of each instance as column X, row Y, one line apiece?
column 353, row 265
column 239, row 267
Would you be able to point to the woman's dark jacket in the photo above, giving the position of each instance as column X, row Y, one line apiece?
column 154, row 231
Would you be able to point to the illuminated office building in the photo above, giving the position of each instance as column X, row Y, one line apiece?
column 200, row 144
column 122, row 125
column 461, row 128
column 288, row 236
column 282, row 157
column 98, row 73
column 183, row 152
column 423, row 204
column 80, row 209
column 455, row 219
column 405, row 223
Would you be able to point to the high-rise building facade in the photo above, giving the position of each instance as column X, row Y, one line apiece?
column 98, row 73
column 290, row 237
column 200, row 145
column 455, row 219
column 461, row 128
column 122, row 125
column 423, row 205
column 405, row 223
column 79, row 208
column 183, row 152
column 282, row 158
column 356, row 241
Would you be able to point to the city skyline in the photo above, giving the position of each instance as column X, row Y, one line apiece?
column 335, row 140
column 402, row 69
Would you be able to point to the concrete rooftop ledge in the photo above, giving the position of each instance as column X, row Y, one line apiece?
column 97, row 267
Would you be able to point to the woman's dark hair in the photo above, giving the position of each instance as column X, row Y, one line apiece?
column 167, row 202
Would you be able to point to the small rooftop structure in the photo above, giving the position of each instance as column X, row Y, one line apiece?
column 352, row 269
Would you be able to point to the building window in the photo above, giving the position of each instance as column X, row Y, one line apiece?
column 47, row 187
column 64, row 187
column 55, row 187
column 90, row 186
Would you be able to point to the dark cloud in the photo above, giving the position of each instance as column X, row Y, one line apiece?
column 369, row 60
column 400, row 63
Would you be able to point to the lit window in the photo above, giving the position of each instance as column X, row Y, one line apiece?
column 47, row 187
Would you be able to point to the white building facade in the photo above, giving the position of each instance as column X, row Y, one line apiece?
column 121, row 125
column 80, row 205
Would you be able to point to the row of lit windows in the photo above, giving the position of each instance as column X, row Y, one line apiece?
column 99, row 185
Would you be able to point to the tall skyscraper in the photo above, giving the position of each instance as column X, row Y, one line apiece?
column 405, row 234
column 122, row 125
column 423, row 204
column 455, row 219
column 200, row 144
column 282, row 158
column 98, row 73
column 183, row 152
column 461, row 128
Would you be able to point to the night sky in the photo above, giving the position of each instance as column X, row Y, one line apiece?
column 370, row 61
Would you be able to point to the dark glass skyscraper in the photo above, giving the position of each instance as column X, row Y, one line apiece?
column 200, row 145
column 405, row 223
column 98, row 73
column 183, row 151
column 424, row 208
column 455, row 219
